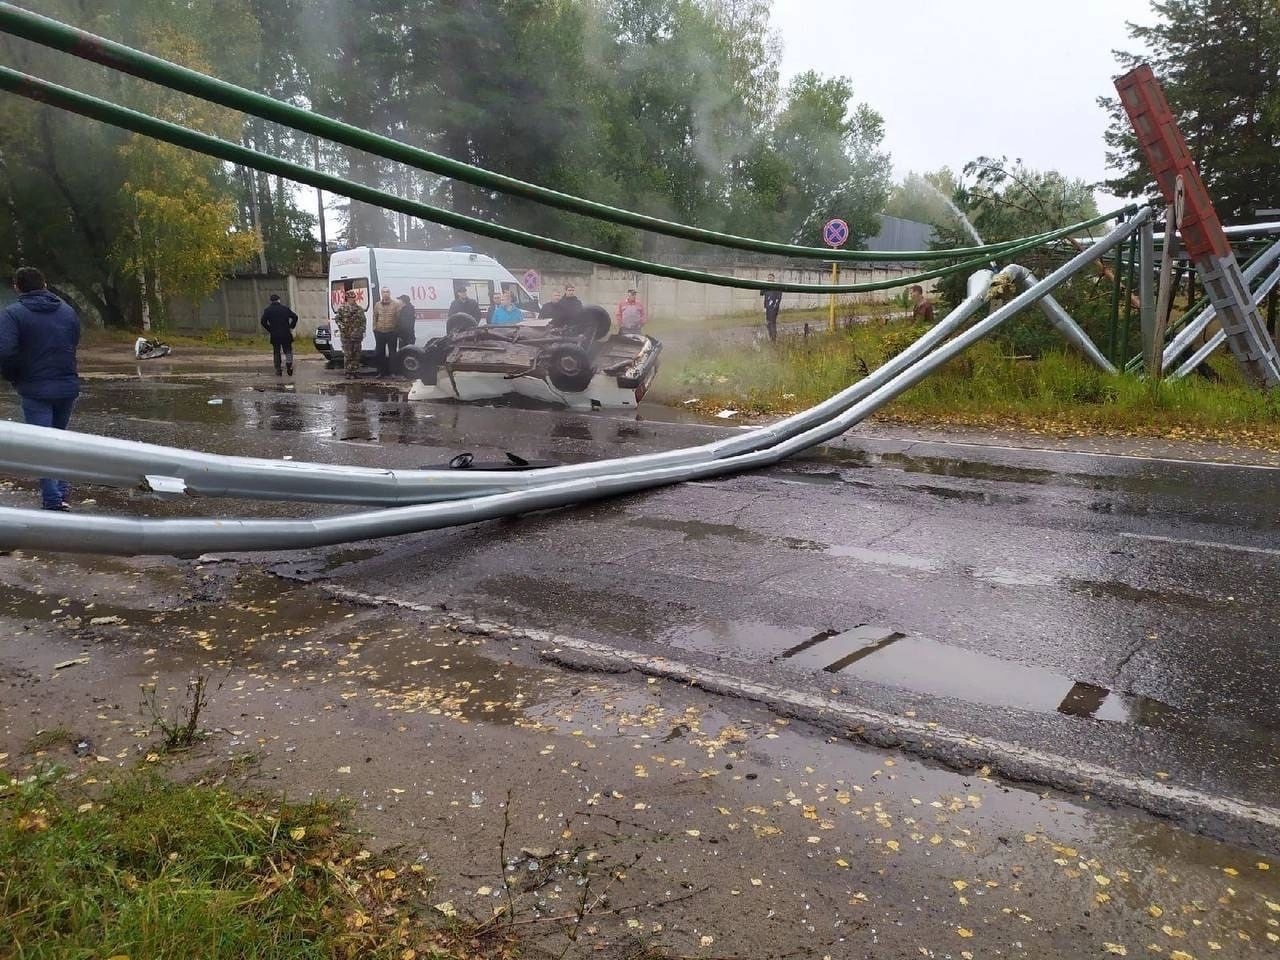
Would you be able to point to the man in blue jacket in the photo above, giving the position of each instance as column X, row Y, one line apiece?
column 38, row 339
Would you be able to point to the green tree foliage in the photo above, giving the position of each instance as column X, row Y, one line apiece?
column 1005, row 200
column 120, row 222
column 1219, row 64
column 672, row 107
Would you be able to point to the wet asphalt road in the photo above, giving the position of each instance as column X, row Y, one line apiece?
column 1112, row 610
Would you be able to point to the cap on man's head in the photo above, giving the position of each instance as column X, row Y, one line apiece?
column 274, row 298
column 459, row 288
column 631, row 289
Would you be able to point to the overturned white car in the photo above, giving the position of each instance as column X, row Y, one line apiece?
column 578, row 362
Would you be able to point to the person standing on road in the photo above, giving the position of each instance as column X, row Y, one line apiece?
column 505, row 313
column 279, row 322
column 921, row 306
column 630, row 314
column 772, row 304
column 406, row 320
column 463, row 302
column 38, row 339
column 351, row 323
column 386, row 318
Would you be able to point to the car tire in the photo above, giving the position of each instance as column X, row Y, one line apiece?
column 569, row 368
column 459, row 322
column 411, row 362
column 597, row 322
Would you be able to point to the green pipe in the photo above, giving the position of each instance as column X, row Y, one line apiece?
column 73, row 101
column 60, row 36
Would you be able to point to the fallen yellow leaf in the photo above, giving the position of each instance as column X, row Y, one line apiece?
column 385, row 874
column 707, row 941
column 892, row 845
column 964, row 932
column 959, row 884
column 1181, row 955
column 1101, row 880
column 1155, row 911
column 297, row 833
column 1119, row 949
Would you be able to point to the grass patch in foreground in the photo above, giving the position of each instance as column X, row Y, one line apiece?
column 145, row 867
column 985, row 387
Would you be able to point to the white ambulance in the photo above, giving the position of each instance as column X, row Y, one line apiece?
column 427, row 277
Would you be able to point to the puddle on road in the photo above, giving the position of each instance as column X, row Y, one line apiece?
column 732, row 638
column 885, row 656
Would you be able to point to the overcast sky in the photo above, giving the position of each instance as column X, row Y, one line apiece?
column 958, row 79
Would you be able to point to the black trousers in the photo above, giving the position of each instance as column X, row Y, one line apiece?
column 286, row 349
column 384, row 345
column 771, row 324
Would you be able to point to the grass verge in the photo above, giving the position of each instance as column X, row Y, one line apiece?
column 985, row 387
column 145, row 867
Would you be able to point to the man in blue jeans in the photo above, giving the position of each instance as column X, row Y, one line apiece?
column 38, row 339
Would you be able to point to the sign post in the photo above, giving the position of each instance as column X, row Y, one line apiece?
column 835, row 233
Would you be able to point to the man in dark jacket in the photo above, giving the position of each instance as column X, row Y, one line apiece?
column 772, row 304
column 38, row 339
column 463, row 302
column 279, row 321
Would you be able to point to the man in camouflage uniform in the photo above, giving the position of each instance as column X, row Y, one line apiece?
column 350, row 321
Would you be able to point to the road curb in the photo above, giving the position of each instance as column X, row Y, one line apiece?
column 1223, row 818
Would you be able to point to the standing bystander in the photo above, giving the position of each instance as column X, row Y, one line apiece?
column 386, row 317
column 406, row 323
column 351, row 323
column 772, row 304
column 921, row 306
column 630, row 314
column 279, row 321
column 38, row 339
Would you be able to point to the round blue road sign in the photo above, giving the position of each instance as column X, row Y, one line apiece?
column 835, row 233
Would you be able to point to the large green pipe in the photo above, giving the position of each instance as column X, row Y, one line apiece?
column 72, row 100
column 60, row 36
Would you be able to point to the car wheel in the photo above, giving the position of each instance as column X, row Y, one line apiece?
column 459, row 322
column 569, row 368
column 411, row 362
column 597, row 322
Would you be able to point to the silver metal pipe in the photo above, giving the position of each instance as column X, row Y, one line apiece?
column 1178, row 345
column 85, row 458
column 1219, row 338
column 1064, row 324
column 49, row 530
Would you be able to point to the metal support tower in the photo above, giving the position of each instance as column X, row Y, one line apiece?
column 1166, row 151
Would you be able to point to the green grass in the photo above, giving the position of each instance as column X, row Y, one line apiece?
column 150, row 868
column 985, row 386
column 817, row 316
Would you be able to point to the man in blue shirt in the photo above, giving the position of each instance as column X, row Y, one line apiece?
column 38, row 339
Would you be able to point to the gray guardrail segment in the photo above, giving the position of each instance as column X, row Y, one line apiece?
column 50, row 530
